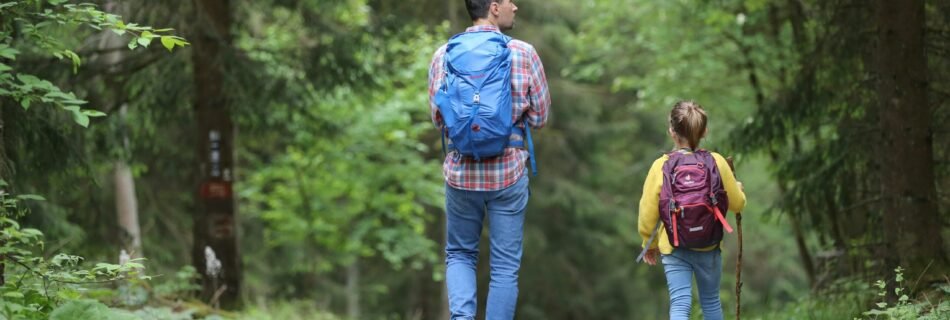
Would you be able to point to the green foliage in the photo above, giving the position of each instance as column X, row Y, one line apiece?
column 904, row 308
column 346, row 178
column 37, row 286
column 287, row 310
column 88, row 309
column 183, row 283
column 30, row 24
column 844, row 299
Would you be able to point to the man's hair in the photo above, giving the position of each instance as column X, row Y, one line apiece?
column 478, row 9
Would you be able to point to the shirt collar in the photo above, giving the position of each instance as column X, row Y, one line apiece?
column 485, row 27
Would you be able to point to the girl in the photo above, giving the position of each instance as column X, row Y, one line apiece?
column 684, row 257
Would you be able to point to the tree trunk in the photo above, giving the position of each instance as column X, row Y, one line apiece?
column 127, row 209
column 126, row 203
column 214, row 220
column 452, row 14
column 353, row 290
column 910, row 216
column 3, row 176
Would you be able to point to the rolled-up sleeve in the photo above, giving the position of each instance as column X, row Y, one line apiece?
column 435, row 80
column 538, row 94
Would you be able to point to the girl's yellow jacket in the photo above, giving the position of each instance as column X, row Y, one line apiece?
column 650, row 201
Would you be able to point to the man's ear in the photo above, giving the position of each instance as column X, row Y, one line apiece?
column 494, row 8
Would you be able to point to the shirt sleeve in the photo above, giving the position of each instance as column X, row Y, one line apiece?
column 735, row 194
column 650, row 202
column 436, row 74
column 538, row 93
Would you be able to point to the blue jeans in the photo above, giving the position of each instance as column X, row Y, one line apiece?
column 680, row 266
column 465, row 211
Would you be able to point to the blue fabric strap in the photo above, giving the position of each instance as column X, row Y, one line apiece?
column 534, row 165
column 444, row 149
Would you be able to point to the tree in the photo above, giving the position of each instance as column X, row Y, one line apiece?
column 908, row 189
column 35, row 26
column 215, row 228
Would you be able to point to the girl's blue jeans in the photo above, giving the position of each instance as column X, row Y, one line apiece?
column 465, row 211
column 680, row 267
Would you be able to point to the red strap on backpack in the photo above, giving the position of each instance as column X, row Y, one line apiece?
column 676, row 238
column 725, row 224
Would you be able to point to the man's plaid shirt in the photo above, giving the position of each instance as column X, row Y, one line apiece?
column 530, row 99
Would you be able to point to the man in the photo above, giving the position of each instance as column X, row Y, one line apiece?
column 497, row 185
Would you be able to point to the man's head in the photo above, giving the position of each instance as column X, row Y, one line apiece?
column 497, row 12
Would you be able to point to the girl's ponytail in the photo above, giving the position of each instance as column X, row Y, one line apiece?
column 688, row 121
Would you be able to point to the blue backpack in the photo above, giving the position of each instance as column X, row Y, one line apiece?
column 475, row 97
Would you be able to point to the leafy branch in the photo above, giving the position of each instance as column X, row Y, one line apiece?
column 32, row 20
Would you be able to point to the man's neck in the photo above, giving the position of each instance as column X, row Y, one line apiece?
column 484, row 22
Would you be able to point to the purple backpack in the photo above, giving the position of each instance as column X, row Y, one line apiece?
column 693, row 201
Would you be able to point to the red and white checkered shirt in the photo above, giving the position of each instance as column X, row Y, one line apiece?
column 530, row 99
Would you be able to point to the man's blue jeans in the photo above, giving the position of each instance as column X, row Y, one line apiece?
column 465, row 211
column 680, row 266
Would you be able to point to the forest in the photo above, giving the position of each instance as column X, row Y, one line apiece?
column 276, row 159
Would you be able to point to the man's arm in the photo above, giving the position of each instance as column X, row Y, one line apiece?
column 540, row 97
column 435, row 81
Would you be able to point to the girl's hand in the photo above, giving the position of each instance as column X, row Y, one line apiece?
column 650, row 257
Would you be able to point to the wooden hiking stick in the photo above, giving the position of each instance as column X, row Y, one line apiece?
column 739, row 256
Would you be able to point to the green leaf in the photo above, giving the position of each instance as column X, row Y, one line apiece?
column 75, row 58
column 93, row 113
column 133, row 44
column 32, row 232
column 83, row 309
column 57, row 2
column 25, row 103
column 8, row 4
column 30, row 197
column 9, row 53
column 168, row 42
column 78, row 116
column 13, row 295
column 4, row 68
column 143, row 41
column 118, row 31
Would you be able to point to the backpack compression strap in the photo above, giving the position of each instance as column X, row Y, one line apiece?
column 515, row 141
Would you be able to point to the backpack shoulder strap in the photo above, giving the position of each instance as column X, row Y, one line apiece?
column 650, row 241
column 667, row 179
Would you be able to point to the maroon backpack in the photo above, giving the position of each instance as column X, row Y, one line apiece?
column 693, row 201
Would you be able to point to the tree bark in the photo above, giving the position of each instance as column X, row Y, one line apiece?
column 3, row 176
column 126, row 203
column 910, row 216
column 127, row 209
column 452, row 14
column 353, row 290
column 214, row 220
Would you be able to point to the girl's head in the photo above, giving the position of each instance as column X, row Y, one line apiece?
column 687, row 124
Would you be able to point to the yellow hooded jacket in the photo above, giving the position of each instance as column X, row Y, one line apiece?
column 650, row 201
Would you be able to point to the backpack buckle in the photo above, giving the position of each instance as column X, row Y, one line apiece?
column 476, row 98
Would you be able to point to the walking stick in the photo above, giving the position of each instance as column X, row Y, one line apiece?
column 739, row 256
